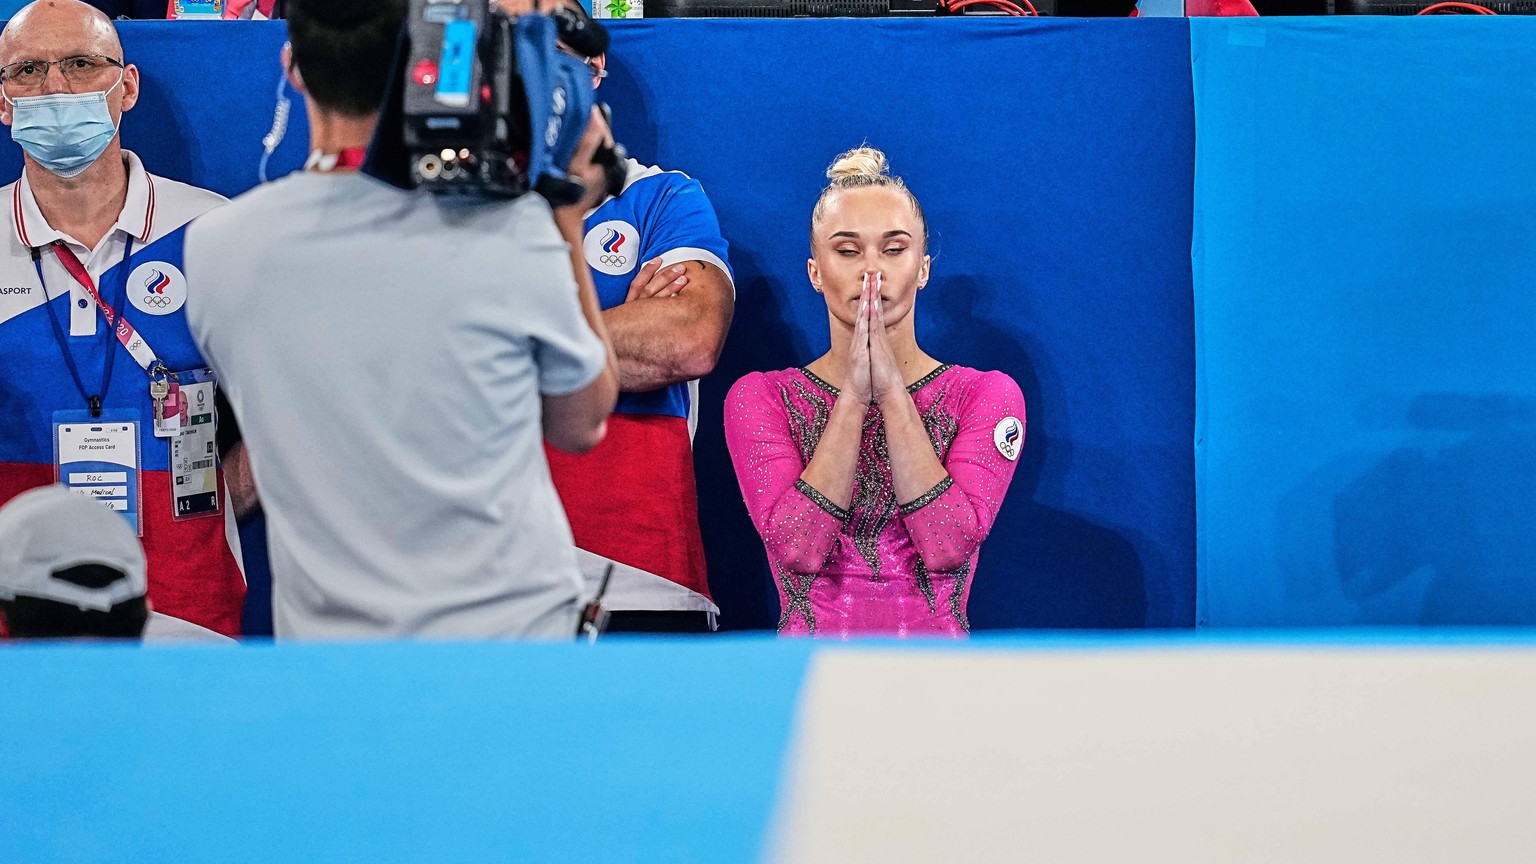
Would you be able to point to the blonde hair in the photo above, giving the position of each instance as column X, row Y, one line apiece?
column 855, row 169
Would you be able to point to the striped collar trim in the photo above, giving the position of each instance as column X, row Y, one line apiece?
column 911, row 388
column 137, row 219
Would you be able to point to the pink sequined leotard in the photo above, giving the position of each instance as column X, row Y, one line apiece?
column 882, row 566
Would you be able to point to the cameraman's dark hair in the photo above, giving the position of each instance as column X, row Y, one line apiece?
column 35, row 618
column 343, row 50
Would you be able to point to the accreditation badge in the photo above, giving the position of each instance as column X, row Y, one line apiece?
column 195, row 451
column 99, row 457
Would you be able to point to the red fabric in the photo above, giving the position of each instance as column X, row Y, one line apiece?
column 632, row 498
column 1219, row 9
column 236, row 8
column 351, row 158
column 193, row 574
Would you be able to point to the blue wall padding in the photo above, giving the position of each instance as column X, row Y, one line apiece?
column 1363, row 269
column 1054, row 159
column 396, row 753
column 207, row 93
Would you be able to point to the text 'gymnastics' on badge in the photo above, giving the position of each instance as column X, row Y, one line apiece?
column 98, row 457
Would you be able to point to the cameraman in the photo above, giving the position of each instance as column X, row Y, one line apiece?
column 402, row 379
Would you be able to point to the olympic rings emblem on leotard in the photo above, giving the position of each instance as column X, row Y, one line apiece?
column 613, row 260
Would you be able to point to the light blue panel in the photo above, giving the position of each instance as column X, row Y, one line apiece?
column 624, row 751
column 632, row 751
column 1365, row 320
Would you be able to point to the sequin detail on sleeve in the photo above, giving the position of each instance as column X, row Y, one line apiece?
column 924, row 583
column 821, row 500
column 765, row 431
column 958, row 595
column 807, row 426
column 876, row 567
column 948, row 530
column 926, row 498
column 795, row 597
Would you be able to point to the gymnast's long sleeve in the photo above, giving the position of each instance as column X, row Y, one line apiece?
column 881, row 565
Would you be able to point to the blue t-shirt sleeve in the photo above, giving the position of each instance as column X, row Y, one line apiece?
column 681, row 226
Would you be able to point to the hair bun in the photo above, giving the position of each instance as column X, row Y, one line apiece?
column 861, row 161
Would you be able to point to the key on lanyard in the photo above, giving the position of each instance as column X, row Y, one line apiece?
column 159, row 388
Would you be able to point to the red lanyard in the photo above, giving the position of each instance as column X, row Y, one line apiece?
column 349, row 159
column 74, row 268
column 137, row 348
column 135, row 344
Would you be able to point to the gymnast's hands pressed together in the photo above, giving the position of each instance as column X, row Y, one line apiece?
column 874, row 472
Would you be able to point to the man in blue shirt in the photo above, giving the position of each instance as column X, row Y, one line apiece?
column 663, row 278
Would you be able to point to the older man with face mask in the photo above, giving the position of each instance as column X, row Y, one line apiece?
column 101, row 386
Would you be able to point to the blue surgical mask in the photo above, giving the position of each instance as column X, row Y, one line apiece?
column 63, row 132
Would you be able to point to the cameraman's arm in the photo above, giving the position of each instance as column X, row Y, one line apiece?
column 575, row 422
column 235, row 463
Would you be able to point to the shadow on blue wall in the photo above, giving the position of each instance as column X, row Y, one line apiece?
column 161, row 117
column 1445, row 527
column 1437, row 530
column 1074, row 572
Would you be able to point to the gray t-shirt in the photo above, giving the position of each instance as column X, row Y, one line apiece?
column 384, row 352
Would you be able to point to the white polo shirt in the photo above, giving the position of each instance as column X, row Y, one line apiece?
column 194, row 568
column 389, row 349
column 153, row 207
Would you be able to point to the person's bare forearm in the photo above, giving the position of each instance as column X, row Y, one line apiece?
column 239, row 482
column 660, row 341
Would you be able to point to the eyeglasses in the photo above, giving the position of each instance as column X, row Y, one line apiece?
column 589, row 62
column 30, row 75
